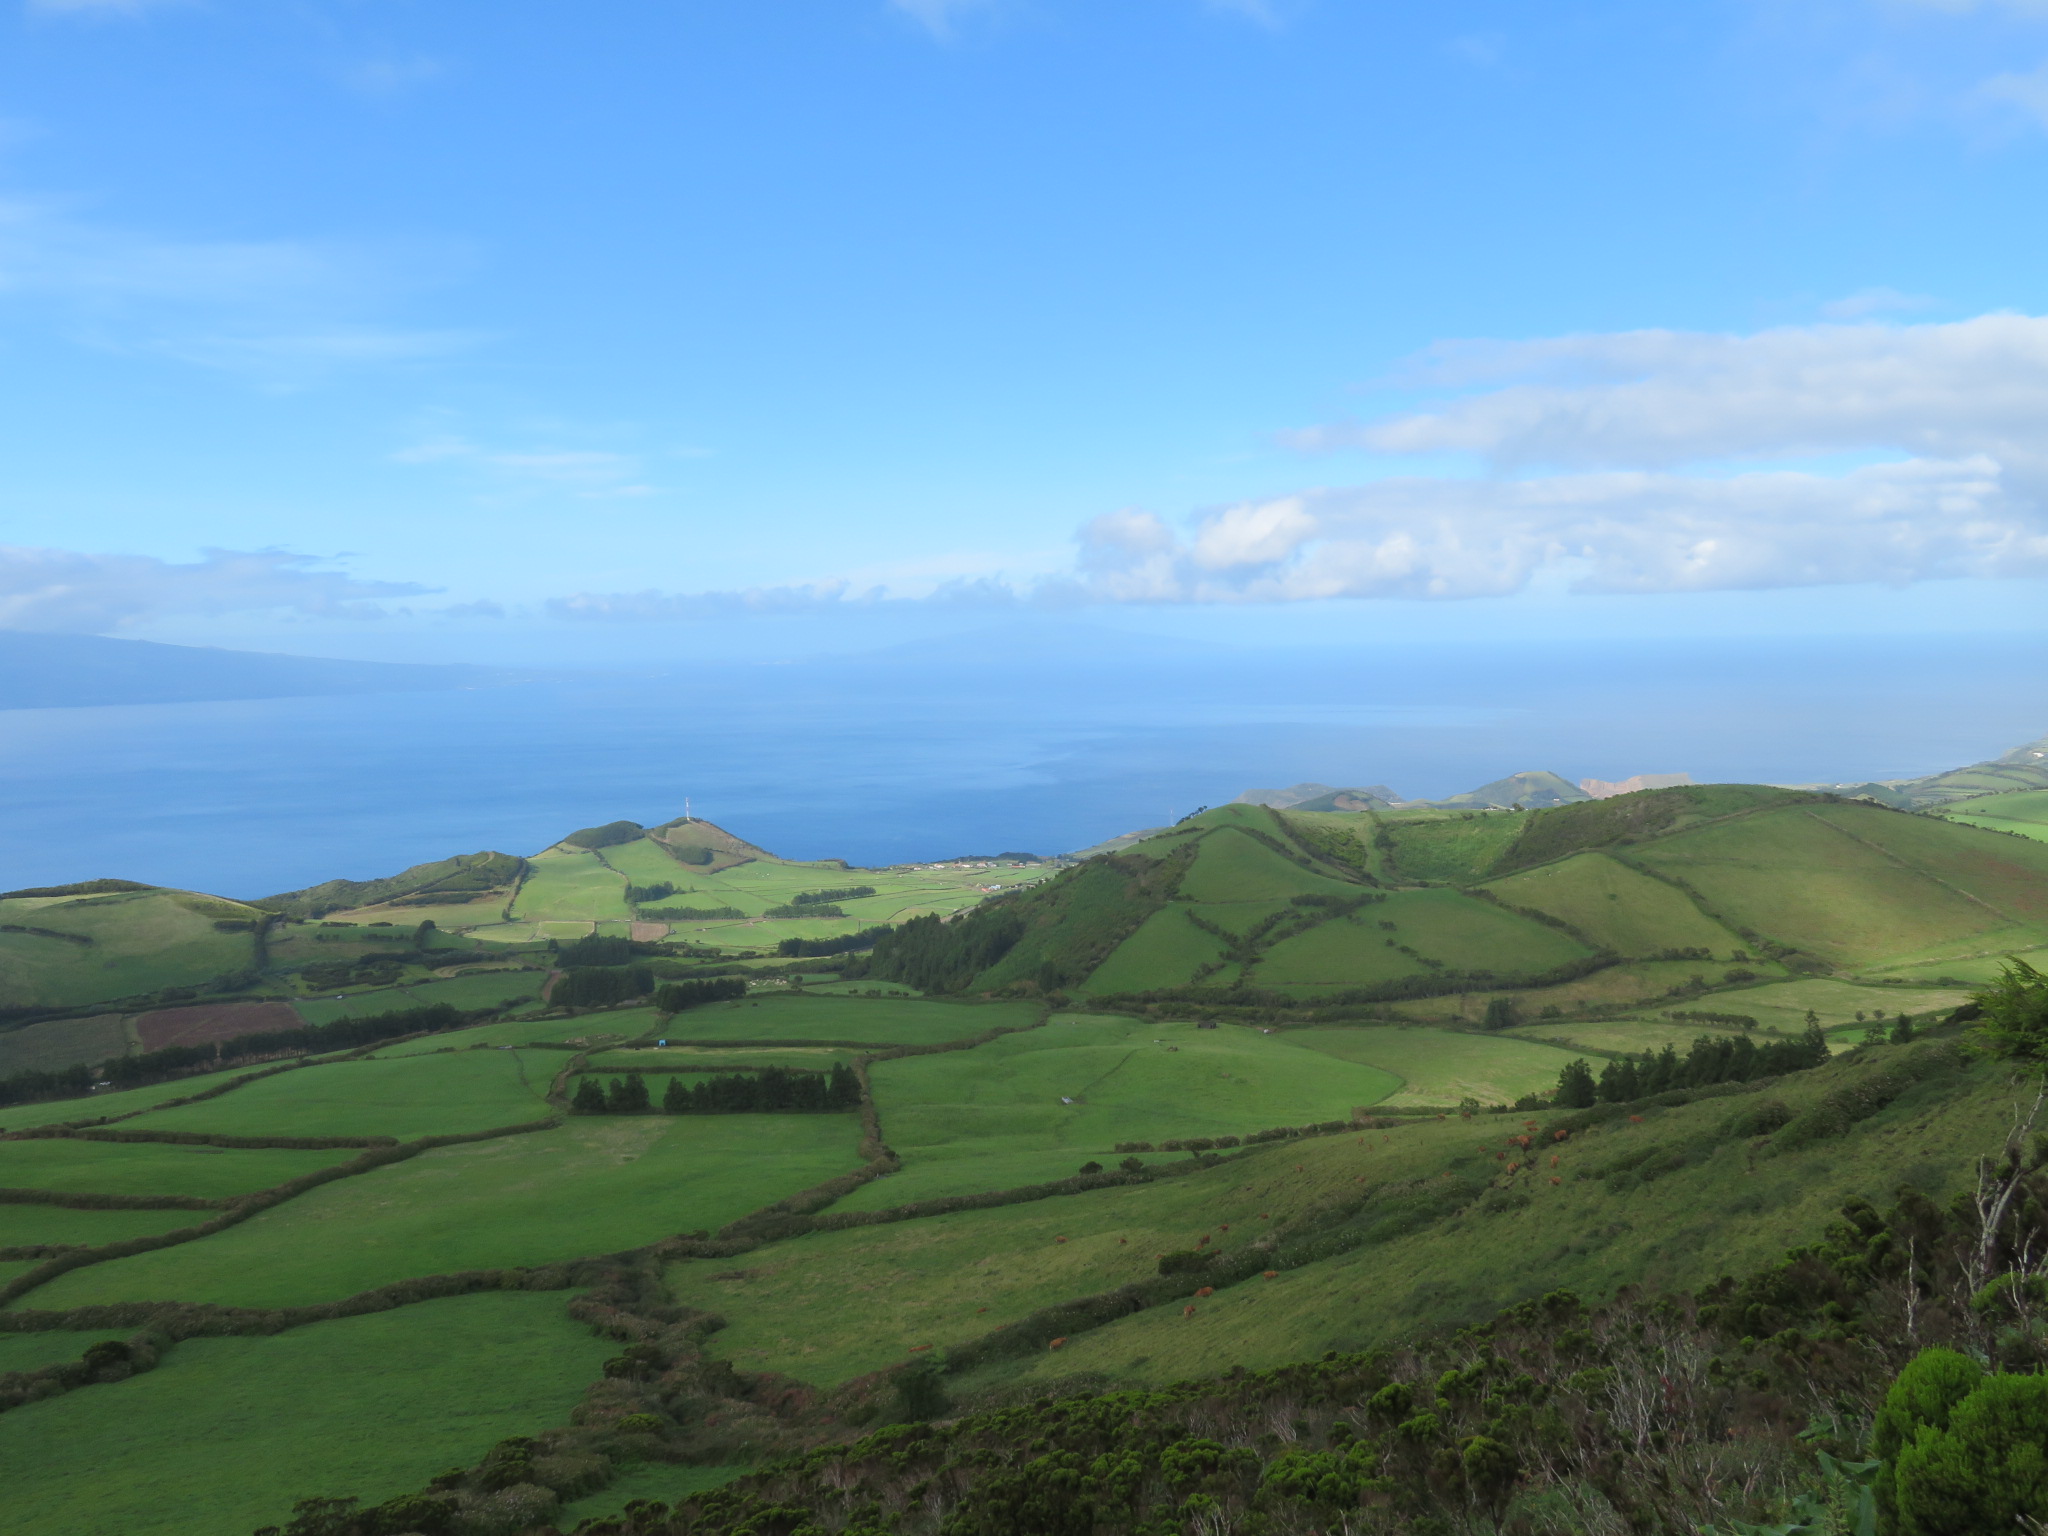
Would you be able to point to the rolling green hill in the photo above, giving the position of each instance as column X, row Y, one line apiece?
column 1583, row 910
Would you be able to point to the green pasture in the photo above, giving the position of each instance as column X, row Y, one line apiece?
column 110, row 1106
column 1439, row 1066
column 1442, row 925
column 1729, row 1212
column 1231, row 866
column 1644, row 984
column 24, row 1225
column 571, row 885
column 1341, row 952
column 1632, row 1036
column 1783, row 1006
column 484, row 989
column 993, row 1117
column 594, row 1028
column 2024, row 811
column 712, row 1058
column 1617, row 907
column 1164, row 952
column 646, row 862
column 405, row 1097
column 449, row 916
column 876, row 1020
column 152, row 1168
column 593, row 1185
column 1454, row 848
column 1971, row 970
column 834, row 1305
column 1856, row 885
column 140, row 941
column 1466, row 933
column 2009, row 874
column 31, row 1351
column 291, row 945
column 227, row 1432
column 61, row 1043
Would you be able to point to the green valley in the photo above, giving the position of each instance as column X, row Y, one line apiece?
column 501, row 1197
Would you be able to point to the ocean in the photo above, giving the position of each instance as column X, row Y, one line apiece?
column 887, row 758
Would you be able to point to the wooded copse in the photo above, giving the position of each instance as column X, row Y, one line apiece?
column 771, row 1090
column 1712, row 1059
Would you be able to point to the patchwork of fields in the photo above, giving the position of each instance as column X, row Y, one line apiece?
column 1039, row 1095
column 1237, row 1095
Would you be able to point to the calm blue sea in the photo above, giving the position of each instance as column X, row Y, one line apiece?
column 883, row 759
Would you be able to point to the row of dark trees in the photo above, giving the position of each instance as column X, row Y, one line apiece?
column 156, row 1066
column 772, row 1090
column 826, row 898
column 1712, row 1059
column 844, row 944
column 675, row 996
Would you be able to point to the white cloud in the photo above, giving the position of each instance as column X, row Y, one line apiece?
column 936, row 16
column 588, row 473
column 1660, row 398
column 283, row 311
column 1613, row 531
column 2028, row 92
column 62, row 591
column 1865, row 302
column 1957, row 414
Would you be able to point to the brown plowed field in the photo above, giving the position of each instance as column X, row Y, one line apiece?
column 208, row 1022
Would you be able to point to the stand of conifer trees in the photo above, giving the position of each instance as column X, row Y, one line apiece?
column 1712, row 1059
column 675, row 996
column 772, row 1090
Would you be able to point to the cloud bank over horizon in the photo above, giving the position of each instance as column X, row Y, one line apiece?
column 1642, row 462
column 1659, row 446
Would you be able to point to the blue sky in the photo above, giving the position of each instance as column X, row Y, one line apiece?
column 427, row 329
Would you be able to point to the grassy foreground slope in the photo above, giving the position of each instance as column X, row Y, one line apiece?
column 228, row 1432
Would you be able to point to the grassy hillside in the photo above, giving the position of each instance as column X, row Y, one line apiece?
column 227, row 1432
column 2024, row 812
column 1616, row 906
column 970, row 1218
column 65, row 950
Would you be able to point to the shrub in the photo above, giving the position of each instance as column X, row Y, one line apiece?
column 1986, row 1470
